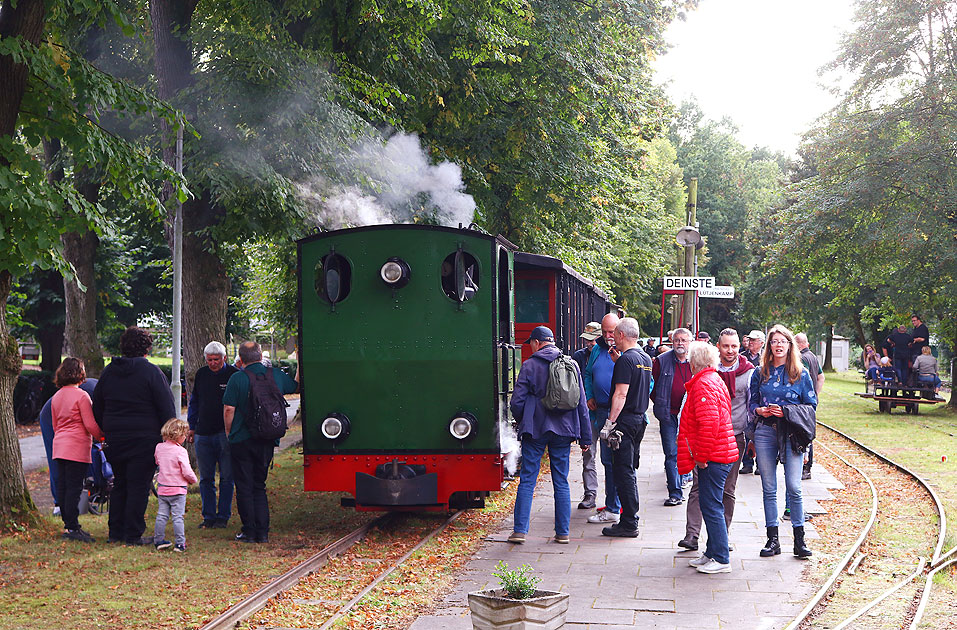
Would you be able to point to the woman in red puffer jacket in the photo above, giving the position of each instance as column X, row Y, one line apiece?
column 706, row 440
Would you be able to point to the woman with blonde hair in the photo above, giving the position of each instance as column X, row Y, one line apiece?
column 782, row 380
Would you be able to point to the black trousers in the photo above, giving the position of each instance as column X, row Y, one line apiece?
column 133, row 469
column 623, row 464
column 251, row 460
column 69, row 485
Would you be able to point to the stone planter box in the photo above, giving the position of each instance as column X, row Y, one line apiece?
column 492, row 610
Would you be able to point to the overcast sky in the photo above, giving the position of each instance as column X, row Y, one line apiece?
column 756, row 61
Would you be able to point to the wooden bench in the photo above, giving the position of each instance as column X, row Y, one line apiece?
column 889, row 396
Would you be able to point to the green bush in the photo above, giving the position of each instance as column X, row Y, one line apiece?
column 517, row 583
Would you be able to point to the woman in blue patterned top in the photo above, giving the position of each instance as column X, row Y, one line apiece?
column 782, row 380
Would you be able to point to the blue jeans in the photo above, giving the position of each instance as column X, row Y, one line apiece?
column 711, row 481
column 669, row 444
column 210, row 451
column 766, row 445
column 903, row 372
column 170, row 508
column 612, row 503
column 928, row 379
column 532, row 451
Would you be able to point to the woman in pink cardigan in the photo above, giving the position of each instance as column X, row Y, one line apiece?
column 73, row 432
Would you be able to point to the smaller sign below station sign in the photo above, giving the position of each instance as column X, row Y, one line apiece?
column 716, row 292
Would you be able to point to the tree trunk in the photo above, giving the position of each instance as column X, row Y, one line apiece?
column 205, row 281
column 15, row 502
column 205, row 297
column 859, row 329
column 50, row 333
column 23, row 19
column 829, row 350
column 80, row 324
column 79, row 248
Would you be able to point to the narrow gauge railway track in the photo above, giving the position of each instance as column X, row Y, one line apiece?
column 913, row 592
column 278, row 589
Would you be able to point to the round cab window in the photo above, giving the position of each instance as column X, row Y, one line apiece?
column 333, row 278
column 460, row 276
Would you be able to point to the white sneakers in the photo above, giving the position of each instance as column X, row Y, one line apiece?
column 603, row 518
column 712, row 566
column 700, row 561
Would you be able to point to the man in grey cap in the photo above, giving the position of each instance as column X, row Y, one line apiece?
column 589, row 473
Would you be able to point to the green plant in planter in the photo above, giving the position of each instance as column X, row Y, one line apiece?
column 517, row 583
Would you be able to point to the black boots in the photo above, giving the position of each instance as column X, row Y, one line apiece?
column 800, row 549
column 773, row 546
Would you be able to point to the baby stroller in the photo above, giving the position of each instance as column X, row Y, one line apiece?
column 98, row 484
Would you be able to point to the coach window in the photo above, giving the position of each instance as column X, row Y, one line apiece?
column 531, row 299
column 460, row 276
column 333, row 278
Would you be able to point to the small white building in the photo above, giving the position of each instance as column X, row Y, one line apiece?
column 841, row 353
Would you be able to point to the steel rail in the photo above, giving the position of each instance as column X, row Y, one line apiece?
column 249, row 606
column 925, row 596
column 848, row 557
column 386, row 573
column 921, row 561
column 936, row 558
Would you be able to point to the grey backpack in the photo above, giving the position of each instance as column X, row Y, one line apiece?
column 563, row 391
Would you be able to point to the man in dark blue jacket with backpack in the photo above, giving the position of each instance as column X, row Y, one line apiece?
column 249, row 404
column 552, row 415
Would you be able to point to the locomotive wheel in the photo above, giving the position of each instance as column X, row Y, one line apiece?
column 884, row 406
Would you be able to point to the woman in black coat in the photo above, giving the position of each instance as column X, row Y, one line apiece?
column 131, row 402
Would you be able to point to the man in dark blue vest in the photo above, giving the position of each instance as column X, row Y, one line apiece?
column 671, row 371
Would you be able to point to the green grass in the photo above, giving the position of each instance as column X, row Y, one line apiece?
column 49, row 583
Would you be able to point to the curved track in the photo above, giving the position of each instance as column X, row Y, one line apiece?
column 258, row 600
column 925, row 570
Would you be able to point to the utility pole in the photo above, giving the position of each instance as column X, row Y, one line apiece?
column 175, row 386
column 689, row 267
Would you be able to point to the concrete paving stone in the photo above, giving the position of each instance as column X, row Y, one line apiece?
column 701, row 621
column 603, row 616
column 441, row 622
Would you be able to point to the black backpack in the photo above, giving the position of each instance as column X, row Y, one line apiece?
column 267, row 407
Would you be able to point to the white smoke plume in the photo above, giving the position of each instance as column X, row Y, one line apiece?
column 396, row 183
column 509, row 445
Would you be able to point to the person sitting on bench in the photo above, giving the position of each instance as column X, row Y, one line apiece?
column 871, row 361
column 925, row 366
column 886, row 374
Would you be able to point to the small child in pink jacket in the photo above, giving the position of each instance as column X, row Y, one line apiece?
column 174, row 476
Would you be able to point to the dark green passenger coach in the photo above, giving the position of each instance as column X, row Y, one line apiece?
column 407, row 356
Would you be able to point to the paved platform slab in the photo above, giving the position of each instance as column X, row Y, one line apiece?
column 646, row 581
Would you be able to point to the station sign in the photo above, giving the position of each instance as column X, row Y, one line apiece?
column 726, row 292
column 688, row 283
